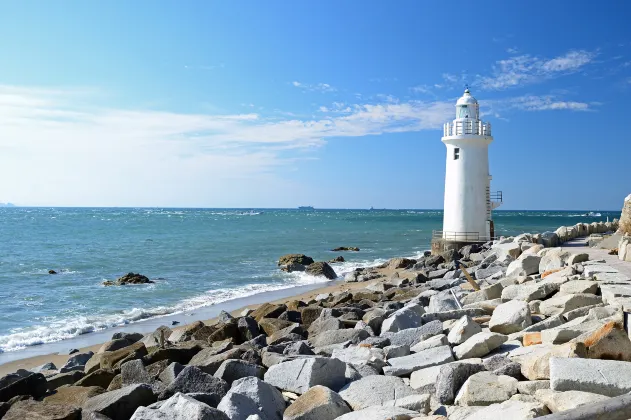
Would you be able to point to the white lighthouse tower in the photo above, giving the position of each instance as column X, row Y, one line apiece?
column 468, row 199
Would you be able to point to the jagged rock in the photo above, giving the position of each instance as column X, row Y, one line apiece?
column 321, row 269
column 560, row 304
column 30, row 409
column 405, row 365
column 579, row 286
column 192, row 379
column 411, row 336
column 208, row 360
column 535, row 362
column 479, row 345
column 294, row 259
column 431, row 342
column 403, row 319
column 493, row 291
column 510, row 317
column 511, row 409
column 180, row 406
column 301, row 374
column 181, row 352
column 462, row 330
column 169, row 374
column 605, row 377
column 249, row 396
column 76, row 362
column 73, row 395
column 134, row 372
column 120, row 404
column 231, row 370
column 450, row 379
column 609, row 342
column 561, row 401
column 113, row 359
column 100, row 377
column 524, row 266
column 530, row 387
column 61, row 379
column 153, row 339
column 33, row 384
column 486, row 388
column 268, row 310
column 356, row 355
column 318, row 403
column 328, row 338
column 529, row 292
column 397, row 263
column 374, row 390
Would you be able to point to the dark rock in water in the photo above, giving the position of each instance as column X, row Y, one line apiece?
column 295, row 259
column 337, row 259
column 321, row 269
column 33, row 384
column 129, row 278
column 290, row 268
column 175, row 322
column 52, row 272
column 346, row 248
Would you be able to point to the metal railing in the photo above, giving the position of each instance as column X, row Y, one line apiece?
column 458, row 128
column 496, row 196
column 460, row 236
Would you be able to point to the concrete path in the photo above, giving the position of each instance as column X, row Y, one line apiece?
column 580, row 245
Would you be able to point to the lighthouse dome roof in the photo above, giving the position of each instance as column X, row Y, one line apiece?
column 467, row 99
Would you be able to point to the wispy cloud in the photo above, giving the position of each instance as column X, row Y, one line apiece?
column 526, row 69
column 205, row 67
column 318, row 87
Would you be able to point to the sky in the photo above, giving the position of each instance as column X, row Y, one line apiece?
column 323, row 103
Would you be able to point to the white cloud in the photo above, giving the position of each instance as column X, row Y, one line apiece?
column 318, row 87
column 68, row 153
column 534, row 103
column 525, row 69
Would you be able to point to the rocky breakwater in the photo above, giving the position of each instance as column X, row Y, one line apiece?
column 624, row 246
column 409, row 340
column 300, row 262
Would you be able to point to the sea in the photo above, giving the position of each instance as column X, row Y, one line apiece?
column 198, row 259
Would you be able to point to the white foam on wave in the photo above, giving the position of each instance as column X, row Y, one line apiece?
column 64, row 328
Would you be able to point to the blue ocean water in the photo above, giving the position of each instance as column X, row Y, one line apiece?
column 197, row 257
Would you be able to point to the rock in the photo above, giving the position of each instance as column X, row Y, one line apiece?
column 61, row 379
column 405, row 365
column 129, row 278
column 403, row 319
column 100, row 377
column 411, row 336
column 485, row 273
column 450, row 379
column 493, row 291
column 301, row 374
column 374, row 390
column 73, row 395
column 605, row 377
column 153, row 339
column 562, row 401
column 268, row 310
column 511, row 409
column 318, row 403
column 209, row 361
column 417, row 403
column 169, row 374
column 560, row 304
column 33, row 384
column 44, row 367
column 524, row 266
column 357, row 356
column 479, row 345
column 510, row 317
column 180, row 353
column 535, row 363
column 380, row 413
column 608, row 342
column 193, row 379
column 485, row 388
column 29, row 409
column 295, row 259
column 555, row 259
column 76, row 362
column 462, row 330
column 252, row 393
column 431, row 342
column 397, row 263
column 178, row 407
column 328, row 338
column 231, row 370
column 321, row 269
column 529, row 292
column 624, row 224
column 120, row 404
column 530, row 387
column 345, row 248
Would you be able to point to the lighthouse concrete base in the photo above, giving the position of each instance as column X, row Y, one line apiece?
column 440, row 245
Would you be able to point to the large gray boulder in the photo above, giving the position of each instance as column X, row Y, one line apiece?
column 231, row 370
column 169, row 374
column 301, row 374
column 560, row 304
column 510, row 410
column 605, row 377
column 479, row 345
column 374, row 390
column 76, row 362
column 120, row 404
column 403, row 319
column 380, row 413
column 328, row 338
column 180, row 407
column 412, row 336
column 402, row 366
column 510, row 317
column 450, row 379
column 193, row 379
column 486, row 388
column 318, row 403
column 524, row 266
column 529, row 291
column 558, row 401
column 462, row 330
column 252, row 396
column 23, row 383
column 134, row 372
column 35, row 410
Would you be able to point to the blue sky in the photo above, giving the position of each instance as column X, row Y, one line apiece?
column 331, row 104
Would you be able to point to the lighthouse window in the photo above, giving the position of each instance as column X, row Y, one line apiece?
column 456, row 153
column 463, row 111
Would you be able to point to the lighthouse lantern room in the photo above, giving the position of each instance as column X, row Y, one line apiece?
column 468, row 199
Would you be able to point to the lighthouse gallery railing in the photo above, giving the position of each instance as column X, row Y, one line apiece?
column 458, row 128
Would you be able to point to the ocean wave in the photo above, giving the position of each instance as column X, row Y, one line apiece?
column 64, row 328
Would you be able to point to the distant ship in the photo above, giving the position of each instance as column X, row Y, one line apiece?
column 305, row 208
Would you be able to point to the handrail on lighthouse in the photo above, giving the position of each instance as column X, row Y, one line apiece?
column 476, row 127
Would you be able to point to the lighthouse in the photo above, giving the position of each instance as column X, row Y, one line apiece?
column 469, row 202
